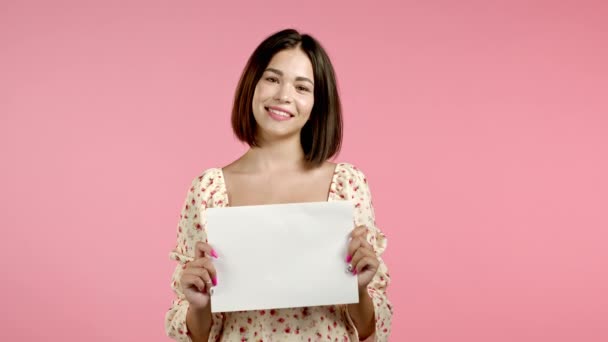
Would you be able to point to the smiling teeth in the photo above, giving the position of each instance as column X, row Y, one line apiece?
column 280, row 113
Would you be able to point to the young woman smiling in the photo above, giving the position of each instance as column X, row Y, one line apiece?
column 287, row 109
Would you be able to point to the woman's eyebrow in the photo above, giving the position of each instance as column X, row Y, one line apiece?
column 299, row 78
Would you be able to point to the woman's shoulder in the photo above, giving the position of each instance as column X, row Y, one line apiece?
column 208, row 175
column 209, row 182
column 350, row 171
column 350, row 182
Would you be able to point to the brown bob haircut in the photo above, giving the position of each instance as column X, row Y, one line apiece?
column 321, row 136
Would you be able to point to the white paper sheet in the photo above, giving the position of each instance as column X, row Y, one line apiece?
column 281, row 255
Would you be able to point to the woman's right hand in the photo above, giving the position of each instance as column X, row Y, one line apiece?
column 199, row 276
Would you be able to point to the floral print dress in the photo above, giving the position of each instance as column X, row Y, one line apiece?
column 318, row 323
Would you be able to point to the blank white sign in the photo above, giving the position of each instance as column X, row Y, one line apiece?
column 281, row 255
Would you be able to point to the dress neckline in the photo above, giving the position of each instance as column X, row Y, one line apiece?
column 224, row 188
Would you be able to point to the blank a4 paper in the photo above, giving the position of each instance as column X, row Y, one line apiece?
column 281, row 255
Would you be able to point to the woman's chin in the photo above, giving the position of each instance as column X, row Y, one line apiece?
column 279, row 135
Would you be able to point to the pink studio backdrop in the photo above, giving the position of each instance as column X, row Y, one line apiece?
column 482, row 126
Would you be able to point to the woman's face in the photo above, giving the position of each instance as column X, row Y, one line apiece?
column 284, row 95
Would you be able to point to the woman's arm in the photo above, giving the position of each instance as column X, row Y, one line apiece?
column 362, row 314
column 199, row 322
column 374, row 307
column 181, row 323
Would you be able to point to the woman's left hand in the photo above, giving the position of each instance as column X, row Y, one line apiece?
column 361, row 257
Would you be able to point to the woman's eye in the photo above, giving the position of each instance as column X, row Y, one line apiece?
column 303, row 88
column 271, row 79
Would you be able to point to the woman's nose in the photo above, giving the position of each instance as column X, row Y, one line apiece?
column 283, row 93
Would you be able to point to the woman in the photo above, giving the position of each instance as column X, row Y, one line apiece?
column 287, row 109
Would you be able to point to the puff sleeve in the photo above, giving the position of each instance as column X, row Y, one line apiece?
column 359, row 192
column 190, row 229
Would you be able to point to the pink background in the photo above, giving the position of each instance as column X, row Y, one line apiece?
column 483, row 129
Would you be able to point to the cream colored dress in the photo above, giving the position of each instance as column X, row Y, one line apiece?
column 319, row 323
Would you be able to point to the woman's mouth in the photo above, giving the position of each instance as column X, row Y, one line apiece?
column 278, row 114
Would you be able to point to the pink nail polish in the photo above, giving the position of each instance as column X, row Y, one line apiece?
column 355, row 271
column 214, row 281
column 349, row 258
column 213, row 254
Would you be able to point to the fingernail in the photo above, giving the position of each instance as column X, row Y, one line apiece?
column 355, row 271
column 213, row 254
column 214, row 281
column 349, row 258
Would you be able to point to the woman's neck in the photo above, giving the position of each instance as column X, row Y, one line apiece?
column 273, row 156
